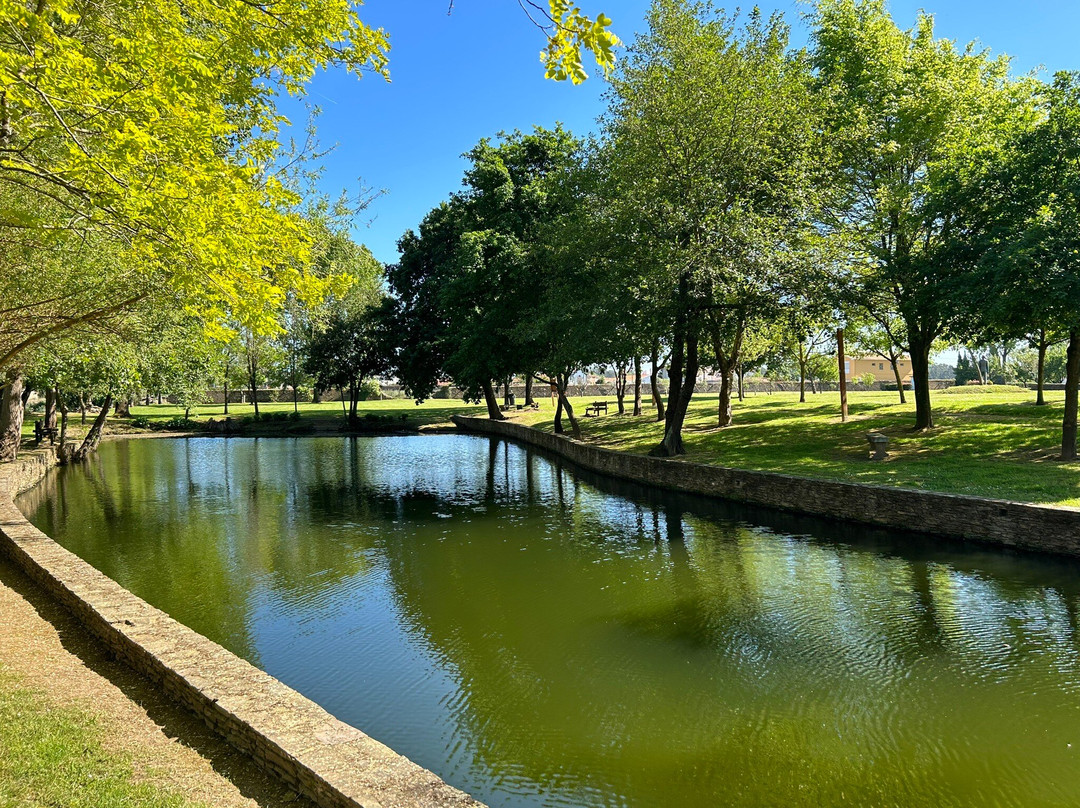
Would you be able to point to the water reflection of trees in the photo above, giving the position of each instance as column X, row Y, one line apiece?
column 859, row 662
column 609, row 638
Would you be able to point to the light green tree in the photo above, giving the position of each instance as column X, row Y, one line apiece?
column 714, row 146
column 906, row 109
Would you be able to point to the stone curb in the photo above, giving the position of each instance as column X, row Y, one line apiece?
column 1019, row 525
column 288, row 735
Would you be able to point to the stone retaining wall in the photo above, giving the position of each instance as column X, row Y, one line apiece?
column 1011, row 524
column 290, row 736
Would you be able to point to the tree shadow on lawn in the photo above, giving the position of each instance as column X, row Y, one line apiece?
column 1013, row 411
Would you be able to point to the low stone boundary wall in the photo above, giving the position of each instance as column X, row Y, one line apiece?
column 290, row 736
column 1010, row 524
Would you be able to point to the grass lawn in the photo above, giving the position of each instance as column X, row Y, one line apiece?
column 987, row 442
column 53, row 756
column 328, row 414
column 435, row 412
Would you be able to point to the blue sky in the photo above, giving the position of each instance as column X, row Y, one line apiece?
column 460, row 77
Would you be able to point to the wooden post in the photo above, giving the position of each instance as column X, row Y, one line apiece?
column 843, row 373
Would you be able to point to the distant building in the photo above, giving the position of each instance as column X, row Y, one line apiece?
column 856, row 366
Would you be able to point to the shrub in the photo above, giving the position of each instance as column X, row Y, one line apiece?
column 867, row 379
column 370, row 390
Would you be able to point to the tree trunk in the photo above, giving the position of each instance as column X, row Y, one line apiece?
column 492, row 403
column 899, row 381
column 974, row 363
column 50, row 408
column 920, row 375
column 802, row 378
column 63, row 415
column 528, row 390
column 295, row 399
column 682, row 375
column 1072, row 386
column 564, row 381
column 620, row 387
column 506, row 392
column 62, row 455
column 253, row 372
column 1040, row 381
column 341, row 397
column 724, row 409
column 11, row 415
column 637, row 385
column 725, row 363
column 93, row 437
column 123, row 408
column 558, row 415
column 226, row 395
column 654, row 383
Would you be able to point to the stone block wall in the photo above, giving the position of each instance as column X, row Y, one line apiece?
column 290, row 736
column 1019, row 525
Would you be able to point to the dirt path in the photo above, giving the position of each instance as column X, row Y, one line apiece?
column 49, row 651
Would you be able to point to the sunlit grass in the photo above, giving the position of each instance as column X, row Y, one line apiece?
column 54, row 756
column 995, row 444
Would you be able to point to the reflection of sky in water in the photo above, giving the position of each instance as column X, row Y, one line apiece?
column 540, row 636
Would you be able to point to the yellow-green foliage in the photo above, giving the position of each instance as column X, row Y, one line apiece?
column 151, row 125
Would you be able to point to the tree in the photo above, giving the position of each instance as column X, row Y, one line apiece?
column 569, row 32
column 112, row 124
column 905, row 108
column 1021, row 213
column 711, row 132
column 470, row 280
column 349, row 351
column 805, row 344
column 882, row 335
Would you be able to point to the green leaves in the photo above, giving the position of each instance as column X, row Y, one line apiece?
column 569, row 33
column 152, row 125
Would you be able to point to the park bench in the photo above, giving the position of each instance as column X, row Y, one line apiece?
column 595, row 407
column 41, row 432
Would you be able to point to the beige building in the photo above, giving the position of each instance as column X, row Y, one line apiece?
column 856, row 366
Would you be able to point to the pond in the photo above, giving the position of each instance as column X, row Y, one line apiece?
column 540, row 636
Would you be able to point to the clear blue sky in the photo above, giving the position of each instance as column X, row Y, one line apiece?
column 458, row 78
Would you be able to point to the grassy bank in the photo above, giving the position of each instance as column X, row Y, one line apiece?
column 986, row 442
column 54, row 756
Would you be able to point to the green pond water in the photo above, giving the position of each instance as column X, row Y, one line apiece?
column 538, row 636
